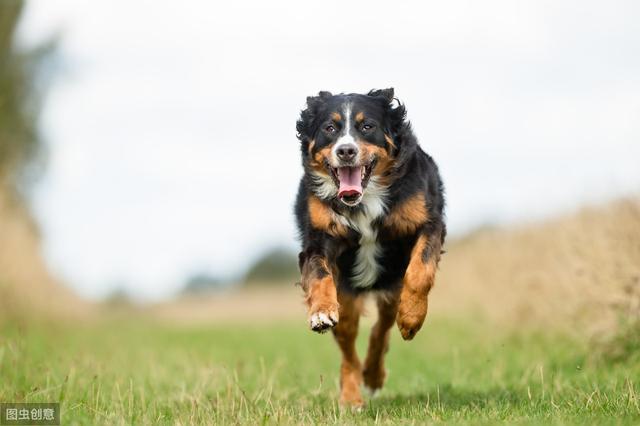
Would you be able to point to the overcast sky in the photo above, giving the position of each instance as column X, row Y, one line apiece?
column 171, row 125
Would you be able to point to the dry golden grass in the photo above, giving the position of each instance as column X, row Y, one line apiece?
column 27, row 289
column 271, row 303
column 577, row 273
column 580, row 272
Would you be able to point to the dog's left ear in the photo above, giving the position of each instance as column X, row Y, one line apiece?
column 384, row 93
column 396, row 112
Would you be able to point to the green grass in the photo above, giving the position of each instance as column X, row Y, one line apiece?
column 462, row 372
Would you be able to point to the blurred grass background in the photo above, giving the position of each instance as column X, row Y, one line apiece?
column 27, row 290
column 535, row 323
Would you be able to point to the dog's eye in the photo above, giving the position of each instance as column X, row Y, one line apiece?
column 367, row 127
column 330, row 129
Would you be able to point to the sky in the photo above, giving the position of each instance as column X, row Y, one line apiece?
column 170, row 126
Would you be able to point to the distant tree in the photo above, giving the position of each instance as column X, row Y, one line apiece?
column 276, row 266
column 21, row 90
column 119, row 297
column 203, row 283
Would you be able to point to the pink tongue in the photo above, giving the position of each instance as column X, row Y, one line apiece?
column 350, row 181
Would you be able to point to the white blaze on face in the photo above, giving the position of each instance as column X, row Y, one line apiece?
column 345, row 138
column 350, row 172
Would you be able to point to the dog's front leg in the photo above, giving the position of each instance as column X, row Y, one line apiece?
column 418, row 280
column 321, row 295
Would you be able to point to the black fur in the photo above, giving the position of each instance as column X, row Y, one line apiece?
column 413, row 171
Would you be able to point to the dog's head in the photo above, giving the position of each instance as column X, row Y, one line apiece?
column 349, row 141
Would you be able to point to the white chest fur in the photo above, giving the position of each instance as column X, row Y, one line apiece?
column 366, row 268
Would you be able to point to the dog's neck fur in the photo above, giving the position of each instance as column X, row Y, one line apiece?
column 366, row 269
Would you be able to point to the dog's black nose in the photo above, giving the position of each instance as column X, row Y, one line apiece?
column 347, row 152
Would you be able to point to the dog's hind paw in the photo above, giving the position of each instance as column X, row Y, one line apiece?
column 323, row 320
column 371, row 392
column 373, row 379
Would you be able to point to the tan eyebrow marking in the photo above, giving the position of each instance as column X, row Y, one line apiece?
column 359, row 117
column 336, row 116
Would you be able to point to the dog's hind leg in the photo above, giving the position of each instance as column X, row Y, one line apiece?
column 345, row 333
column 374, row 372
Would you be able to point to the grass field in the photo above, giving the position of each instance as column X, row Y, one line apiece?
column 536, row 324
column 133, row 372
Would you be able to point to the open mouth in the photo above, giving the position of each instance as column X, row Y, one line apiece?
column 351, row 182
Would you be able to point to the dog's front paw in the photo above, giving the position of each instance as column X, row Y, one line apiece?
column 322, row 319
column 411, row 316
column 409, row 329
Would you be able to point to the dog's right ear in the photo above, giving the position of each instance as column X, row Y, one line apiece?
column 322, row 95
column 305, row 124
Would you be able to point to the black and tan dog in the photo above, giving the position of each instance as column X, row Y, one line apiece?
column 370, row 214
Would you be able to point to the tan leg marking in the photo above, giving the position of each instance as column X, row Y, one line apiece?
column 345, row 333
column 321, row 296
column 417, row 283
column 323, row 305
column 374, row 372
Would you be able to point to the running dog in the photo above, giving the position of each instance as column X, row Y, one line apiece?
column 370, row 214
